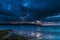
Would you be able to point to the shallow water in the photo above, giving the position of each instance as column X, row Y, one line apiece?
column 46, row 33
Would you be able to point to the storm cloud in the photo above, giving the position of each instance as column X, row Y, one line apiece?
column 28, row 9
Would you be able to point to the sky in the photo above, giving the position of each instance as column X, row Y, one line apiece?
column 27, row 10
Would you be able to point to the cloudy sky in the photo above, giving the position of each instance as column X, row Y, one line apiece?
column 28, row 10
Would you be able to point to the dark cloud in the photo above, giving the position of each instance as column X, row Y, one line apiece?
column 51, row 8
column 29, row 10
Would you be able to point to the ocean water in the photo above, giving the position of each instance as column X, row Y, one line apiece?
column 46, row 32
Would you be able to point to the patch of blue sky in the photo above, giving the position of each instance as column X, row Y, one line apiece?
column 26, row 4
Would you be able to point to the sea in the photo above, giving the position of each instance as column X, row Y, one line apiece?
column 35, row 31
